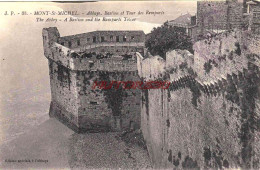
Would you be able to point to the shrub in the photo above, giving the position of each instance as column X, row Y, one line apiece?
column 165, row 38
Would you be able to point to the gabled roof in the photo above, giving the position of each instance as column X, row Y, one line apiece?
column 251, row 3
column 183, row 19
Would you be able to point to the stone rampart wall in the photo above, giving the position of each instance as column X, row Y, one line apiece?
column 205, row 119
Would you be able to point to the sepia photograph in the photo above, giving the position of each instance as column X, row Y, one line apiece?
column 130, row 84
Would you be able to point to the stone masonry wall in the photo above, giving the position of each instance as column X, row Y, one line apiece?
column 74, row 61
column 109, row 110
column 235, row 15
column 219, row 15
column 85, row 109
column 63, row 93
column 224, row 54
column 72, row 76
column 202, row 122
column 118, row 50
column 212, row 15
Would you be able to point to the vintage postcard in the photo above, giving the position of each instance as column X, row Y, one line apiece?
column 130, row 85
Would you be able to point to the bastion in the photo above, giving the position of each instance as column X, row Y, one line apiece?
column 76, row 62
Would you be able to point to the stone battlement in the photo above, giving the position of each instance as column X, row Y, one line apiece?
column 214, row 58
column 226, row 56
column 119, row 42
column 110, row 56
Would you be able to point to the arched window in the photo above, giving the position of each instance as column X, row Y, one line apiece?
column 124, row 38
column 94, row 39
column 102, row 39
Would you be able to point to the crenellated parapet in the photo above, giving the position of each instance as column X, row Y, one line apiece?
column 90, row 40
column 229, row 54
column 90, row 59
column 209, row 116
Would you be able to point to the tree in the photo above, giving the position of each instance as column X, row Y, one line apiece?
column 165, row 38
